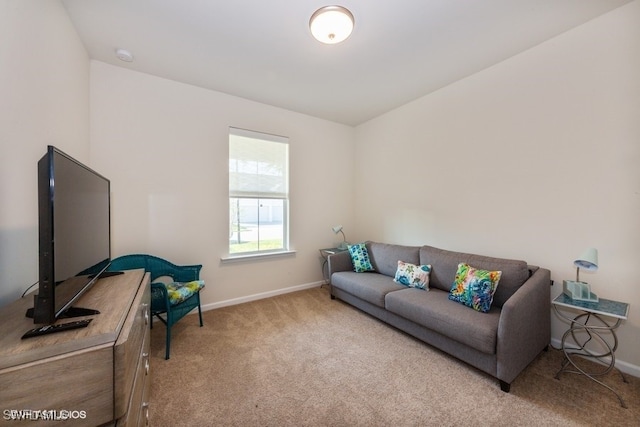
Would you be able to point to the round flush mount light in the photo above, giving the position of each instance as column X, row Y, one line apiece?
column 331, row 24
column 124, row 55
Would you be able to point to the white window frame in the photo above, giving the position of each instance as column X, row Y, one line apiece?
column 251, row 189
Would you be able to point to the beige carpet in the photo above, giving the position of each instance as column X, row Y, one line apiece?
column 302, row 359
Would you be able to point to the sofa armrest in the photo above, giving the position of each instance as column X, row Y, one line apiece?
column 340, row 261
column 524, row 329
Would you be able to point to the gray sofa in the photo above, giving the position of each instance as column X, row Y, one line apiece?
column 501, row 342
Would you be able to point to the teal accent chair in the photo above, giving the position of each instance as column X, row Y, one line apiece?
column 158, row 267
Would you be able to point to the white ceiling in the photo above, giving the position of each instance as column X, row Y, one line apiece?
column 262, row 50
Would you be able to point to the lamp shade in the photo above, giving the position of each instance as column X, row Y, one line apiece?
column 331, row 24
column 588, row 260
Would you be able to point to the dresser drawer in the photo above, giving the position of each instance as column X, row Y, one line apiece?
column 132, row 349
column 81, row 382
column 138, row 411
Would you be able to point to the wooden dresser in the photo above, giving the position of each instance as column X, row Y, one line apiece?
column 98, row 375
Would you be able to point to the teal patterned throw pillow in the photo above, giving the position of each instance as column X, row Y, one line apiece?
column 360, row 258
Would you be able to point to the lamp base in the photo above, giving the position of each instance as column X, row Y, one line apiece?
column 343, row 246
column 579, row 291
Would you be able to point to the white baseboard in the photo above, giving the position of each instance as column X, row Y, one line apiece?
column 623, row 366
column 259, row 296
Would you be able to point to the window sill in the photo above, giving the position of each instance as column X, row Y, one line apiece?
column 252, row 257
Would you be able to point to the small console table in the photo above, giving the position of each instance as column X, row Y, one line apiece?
column 326, row 253
column 590, row 326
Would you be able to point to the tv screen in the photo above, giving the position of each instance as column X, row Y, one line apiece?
column 74, row 232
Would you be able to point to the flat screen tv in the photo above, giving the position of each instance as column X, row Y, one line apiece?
column 74, row 234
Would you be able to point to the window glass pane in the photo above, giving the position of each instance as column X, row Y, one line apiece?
column 256, row 225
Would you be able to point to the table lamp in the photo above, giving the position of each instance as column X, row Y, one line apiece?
column 338, row 229
column 581, row 290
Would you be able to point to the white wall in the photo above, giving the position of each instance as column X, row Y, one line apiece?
column 535, row 158
column 44, row 99
column 164, row 145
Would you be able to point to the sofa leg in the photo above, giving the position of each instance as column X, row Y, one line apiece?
column 333, row 296
column 504, row 386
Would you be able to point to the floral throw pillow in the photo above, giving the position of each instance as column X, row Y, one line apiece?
column 360, row 258
column 414, row 276
column 474, row 288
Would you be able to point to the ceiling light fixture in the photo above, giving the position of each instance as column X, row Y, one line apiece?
column 331, row 24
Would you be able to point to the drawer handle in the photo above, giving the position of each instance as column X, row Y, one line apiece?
column 145, row 309
column 145, row 408
column 146, row 363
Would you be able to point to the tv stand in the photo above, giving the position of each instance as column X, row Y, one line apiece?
column 102, row 370
column 78, row 312
column 71, row 312
column 106, row 274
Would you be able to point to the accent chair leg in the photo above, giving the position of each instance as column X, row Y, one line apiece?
column 168, row 343
column 200, row 311
column 505, row 386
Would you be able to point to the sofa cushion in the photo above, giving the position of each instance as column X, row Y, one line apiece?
column 385, row 256
column 371, row 287
column 444, row 265
column 360, row 258
column 435, row 311
column 474, row 287
column 413, row 276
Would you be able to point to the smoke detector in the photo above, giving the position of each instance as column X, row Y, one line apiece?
column 124, row 55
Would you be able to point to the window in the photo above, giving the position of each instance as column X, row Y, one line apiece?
column 258, row 193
